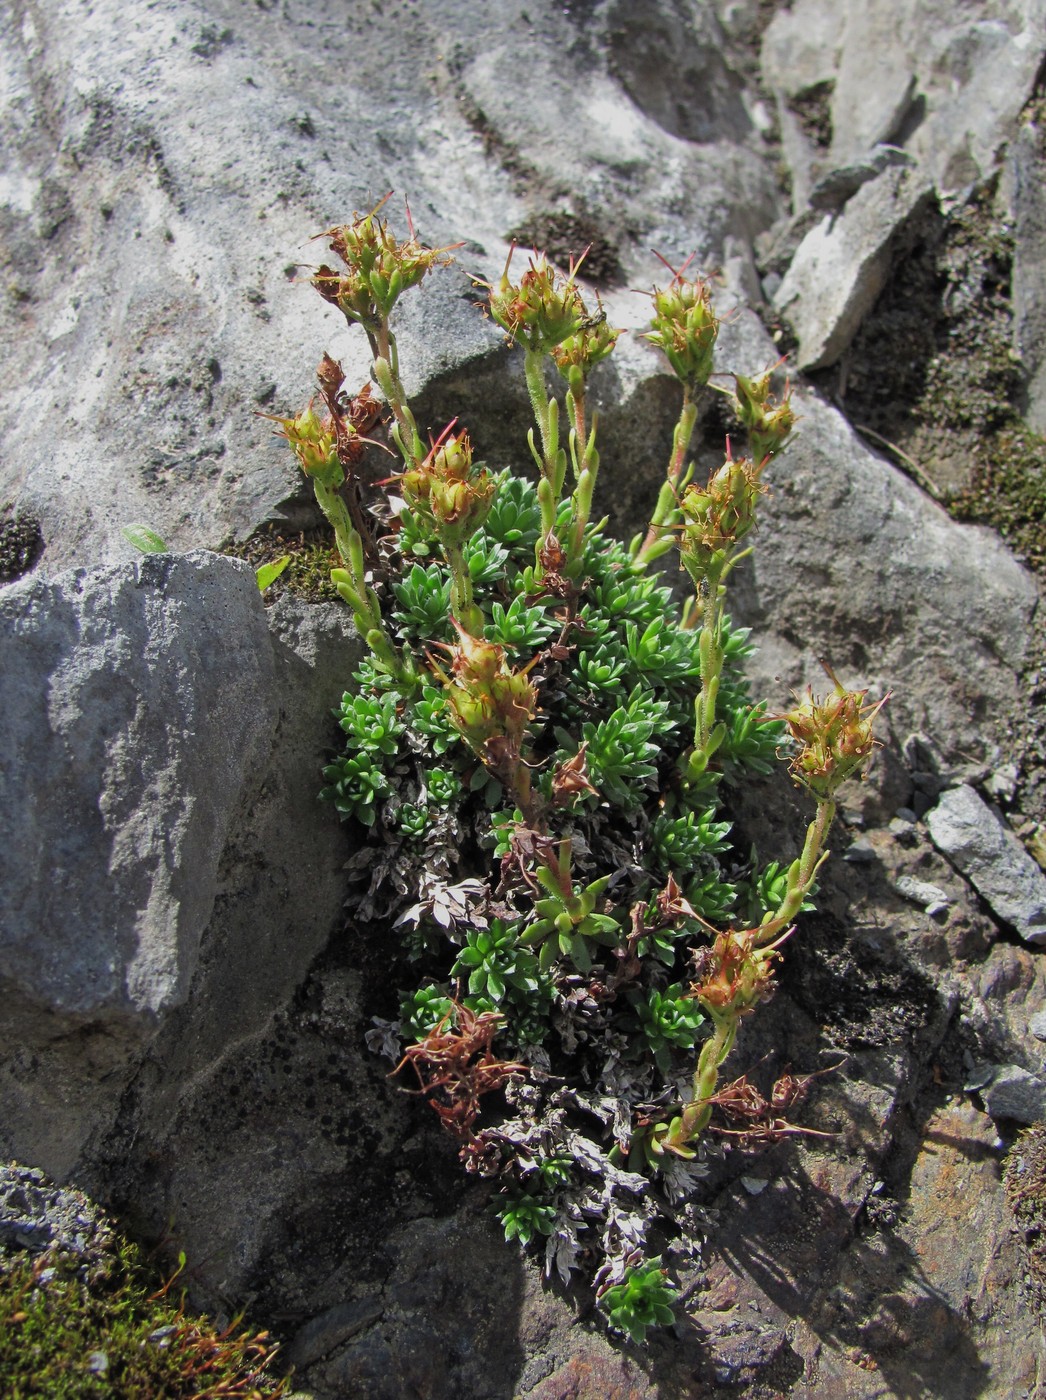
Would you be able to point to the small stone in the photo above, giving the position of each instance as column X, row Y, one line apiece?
column 98, row 1363
column 903, row 830
column 929, row 897
column 1002, row 783
column 1014, row 1093
column 979, row 1076
column 980, row 846
column 860, row 852
column 1037, row 1025
column 754, row 1185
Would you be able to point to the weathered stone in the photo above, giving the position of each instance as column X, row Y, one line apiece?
column 156, row 682
column 981, row 847
column 153, row 299
column 946, row 85
column 833, row 189
column 1014, row 1093
column 159, row 834
column 321, row 1335
column 841, row 265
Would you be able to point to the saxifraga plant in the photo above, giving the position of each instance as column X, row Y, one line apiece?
column 537, row 751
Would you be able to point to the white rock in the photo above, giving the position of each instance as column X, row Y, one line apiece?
column 842, row 264
column 948, row 83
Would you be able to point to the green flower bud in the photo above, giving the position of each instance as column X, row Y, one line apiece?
column 489, row 704
column 717, row 516
column 542, row 310
column 315, row 445
column 448, row 491
column 769, row 421
column 582, row 351
column 380, row 268
column 685, row 327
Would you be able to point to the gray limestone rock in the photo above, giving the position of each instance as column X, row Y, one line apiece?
column 1026, row 169
column 842, row 264
column 979, row 844
column 164, row 177
column 160, row 829
column 837, row 186
column 947, row 84
column 849, row 548
column 138, row 702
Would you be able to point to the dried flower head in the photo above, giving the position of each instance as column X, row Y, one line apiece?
column 380, row 268
column 835, row 737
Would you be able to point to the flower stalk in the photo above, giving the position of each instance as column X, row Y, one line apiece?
column 835, row 742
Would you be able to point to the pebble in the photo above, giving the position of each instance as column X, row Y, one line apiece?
column 929, row 897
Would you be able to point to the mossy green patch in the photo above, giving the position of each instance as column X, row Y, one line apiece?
column 107, row 1328
column 1009, row 492
column 312, row 554
column 20, row 543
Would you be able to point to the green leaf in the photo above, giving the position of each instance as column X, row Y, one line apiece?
column 144, row 539
column 269, row 573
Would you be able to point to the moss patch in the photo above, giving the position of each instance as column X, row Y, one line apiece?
column 1025, row 1182
column 21, row 542
column 109, row 1328
column 813, row 109
column 307, row 576
column 564, row 237
column 933, row 380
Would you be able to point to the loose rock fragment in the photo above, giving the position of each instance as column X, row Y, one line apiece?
column 977, row 842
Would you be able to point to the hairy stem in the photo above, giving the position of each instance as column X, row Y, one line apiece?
column 654, row 544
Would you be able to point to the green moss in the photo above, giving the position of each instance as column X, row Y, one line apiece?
column 813, row 108
column 307, row 576
column 564, row 237
column 1009, row 492
column 71, row 1329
